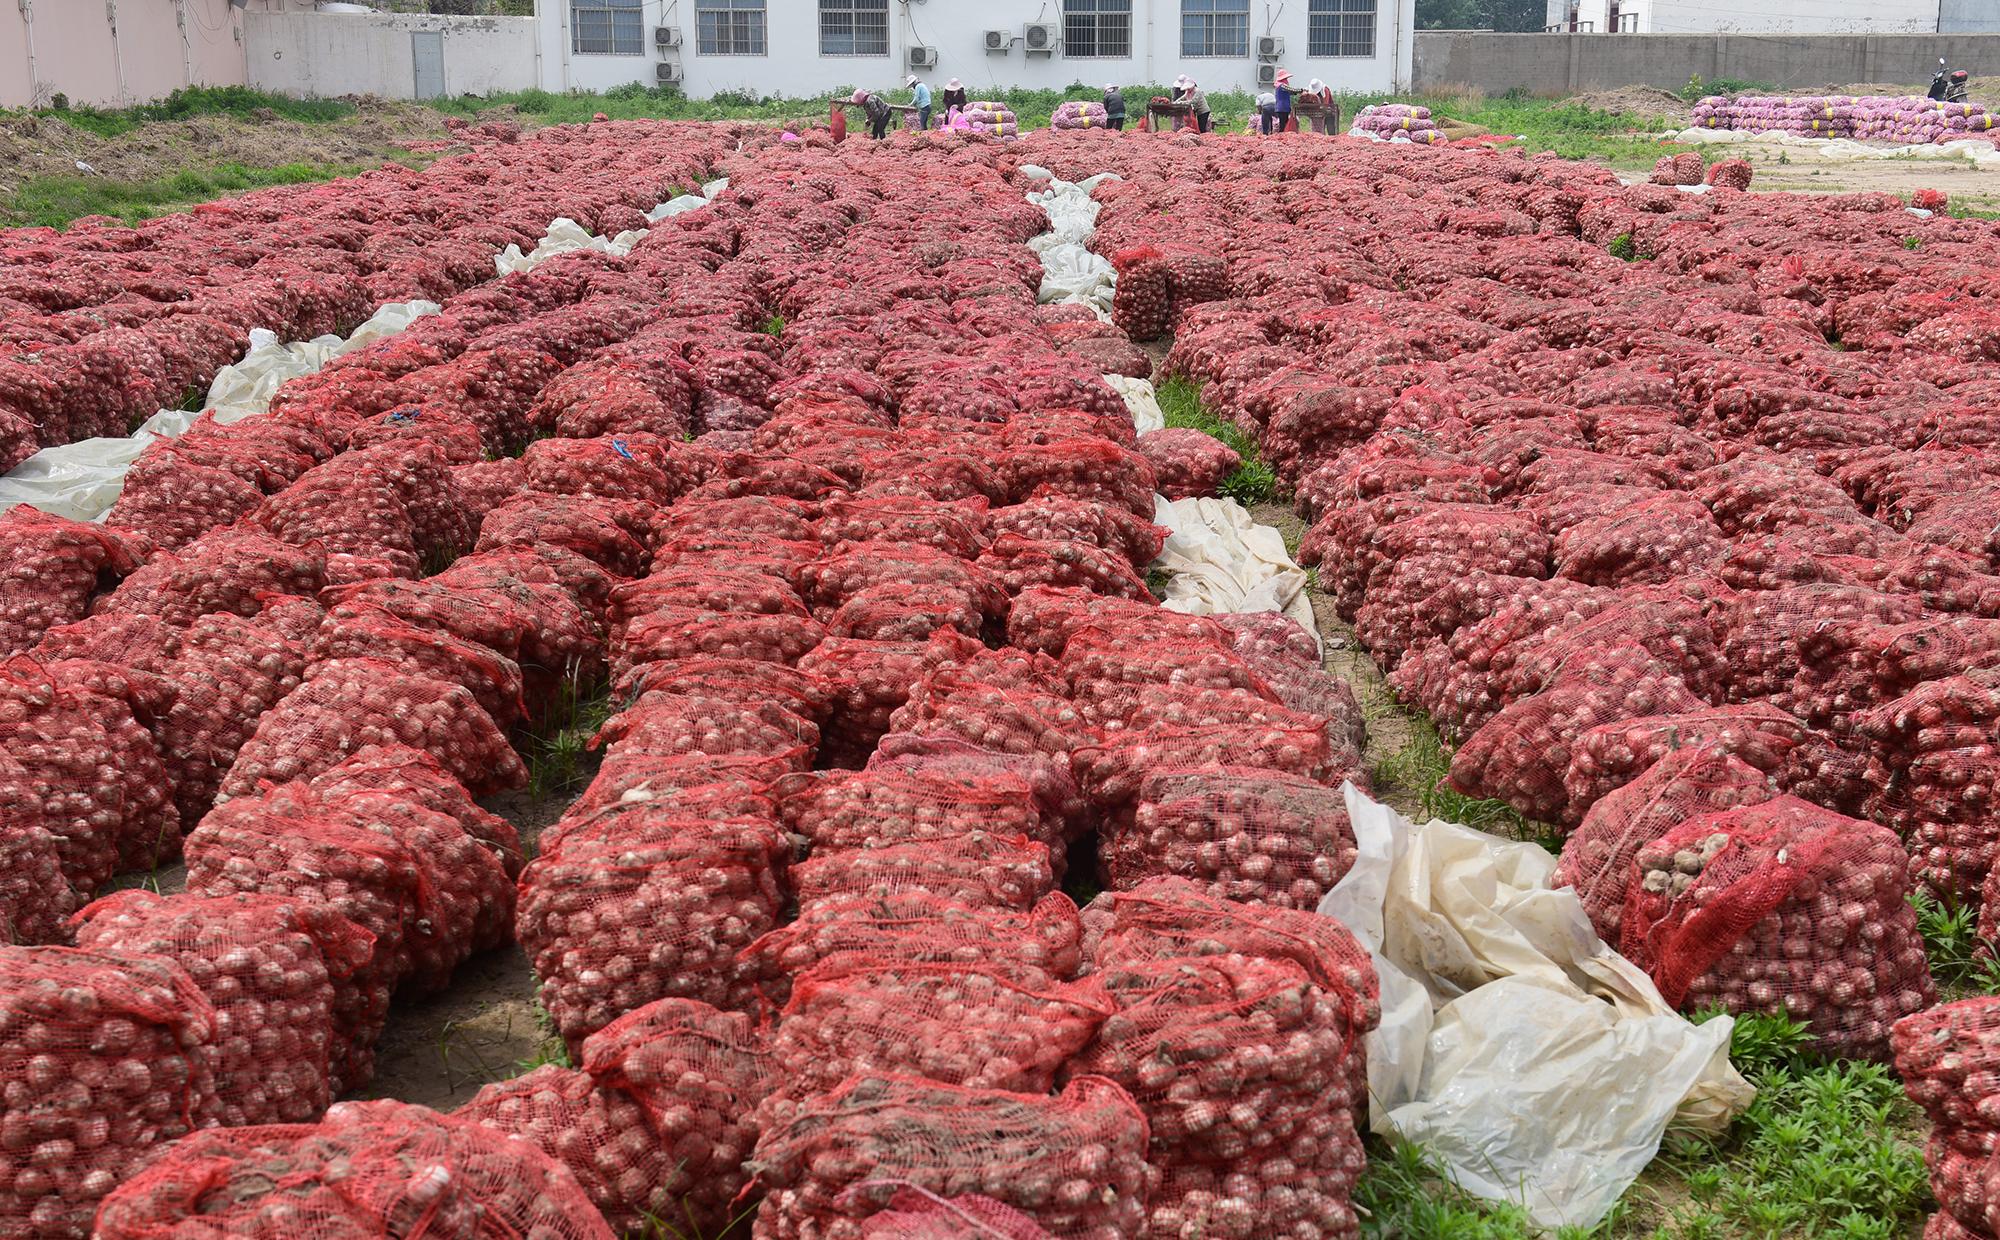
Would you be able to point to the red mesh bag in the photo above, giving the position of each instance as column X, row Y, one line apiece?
column 1762, row 630
column 142, row 643
column 611, row 926
column 975, row 868
column 689, row 632
column 1053, row 786
column 418, row 777
column 1656, row 540
column 171, row 499
column 1044, row 618
column 1782, row 907
column 745, row 681
column 1948, row 1056
column 234, row 570
column 361, row 631
column 493, row 619
column 604, row 396
column 885, row 805
column 1142, row 307
column 268, row 966
column 531, row 616
column 960, row 529
column 959, row 1024
column 632, row 466
column 357, row 512
column 1959, row 1182
column 705, row 551
column 89, row 771
column 53, row 568
column 36, row 898
column 1058, row 518
column 1675, row 630
column 708, row 589
column 678, row 725
column 907, row 611
column 698, row 1075
column 1609, row 756
column 227, row 672
column 851, row 568
column 1086, row 469
column 1110, row 774
column 1096, row 657
column 1849, row 666
column 1036, row 948
column 1491, row 539
column 371, row 1170
column 112, row 1053
column 1074, row 1162
column 1187, row 462
column 917, row 1215
column 1455, row 677
column 1521, row 755
column 1034, row 718
column 1242, row 834
column 1702, row 778
column 347, row 704
column 1020, row 563
column 600, row 530
column 488, row 484
column 871, row 680
column 601, row 1135
column 755, row 518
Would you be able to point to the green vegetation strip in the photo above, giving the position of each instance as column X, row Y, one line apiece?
column 55, row 202
column 1253, row 482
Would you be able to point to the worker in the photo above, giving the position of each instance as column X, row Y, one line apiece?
column 1197, row 101
column 1114, row 108
column 876, row 109
column 954, row 95
column 1322, row 117
column 1266, row 104
column 1281, row 111
column 920, row 96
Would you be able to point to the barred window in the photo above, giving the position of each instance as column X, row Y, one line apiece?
column 729, row 27
column 1100, row 28
column 607, row 28
column 1215, row 27
column 854, row 27
column 1340, row 28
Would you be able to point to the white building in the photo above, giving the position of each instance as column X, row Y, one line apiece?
column 1742, row 17
column 808, row 47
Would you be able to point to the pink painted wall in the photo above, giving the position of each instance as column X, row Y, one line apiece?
column 155, row 47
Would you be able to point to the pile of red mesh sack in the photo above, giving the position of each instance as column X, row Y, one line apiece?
column 1947, row 1057
column 1782, row 907
column 54, row 568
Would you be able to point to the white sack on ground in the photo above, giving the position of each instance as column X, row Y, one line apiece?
column 1141, row 401
column 1219, row 561
column 1535, row 1064
column 1072, row 273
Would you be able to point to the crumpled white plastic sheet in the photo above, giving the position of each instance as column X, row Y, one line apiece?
column 1072, row 273
column 566, row 236
column 1220, row 562
column 81, row 480
column 1531, row 1061
column 1141, row 401
column 1978, row 152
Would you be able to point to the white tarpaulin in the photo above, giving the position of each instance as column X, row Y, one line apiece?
column 1072, row 273
column 1531, row 1061
column 1218, row 561
column 1140, row 401
column 566, row 236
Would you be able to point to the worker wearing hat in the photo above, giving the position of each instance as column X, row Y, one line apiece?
column 876, row 109
column 1281, row 109
column 1321, row 116
column 1114, row 107
column 953, row 96
column 1197, row 101
column 920, row 96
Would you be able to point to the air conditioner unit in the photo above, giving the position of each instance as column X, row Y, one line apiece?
column 1270, row 47
column 999, row 41
column 922, row 57
column 666, row 36
column 1267, row 75
column 1040, row 38
column 667, row 71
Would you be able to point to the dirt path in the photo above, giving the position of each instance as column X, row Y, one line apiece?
column 1782, row 168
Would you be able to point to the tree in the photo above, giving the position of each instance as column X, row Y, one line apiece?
column 1514, row 16
column 1519, row 16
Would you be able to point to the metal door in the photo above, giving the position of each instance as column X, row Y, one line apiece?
column 427, row 50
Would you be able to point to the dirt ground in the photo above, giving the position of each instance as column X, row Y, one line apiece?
column 1780, row 168
column 1638, row 100
column 44, row 146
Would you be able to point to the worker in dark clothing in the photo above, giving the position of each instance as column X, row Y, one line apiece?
column 1197, row 100
column 876, row 109
column 1281, row 109
column 953, row 96
column 1114, row 108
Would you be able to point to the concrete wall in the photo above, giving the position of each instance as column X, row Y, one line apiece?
column 1969, row 17
column 794, row 67
column 326, row 54
column 1561, row 64
column 1766, row 17
column 115, row 53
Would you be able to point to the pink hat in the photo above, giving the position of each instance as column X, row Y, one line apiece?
column 860, row 96
column 1284, row 76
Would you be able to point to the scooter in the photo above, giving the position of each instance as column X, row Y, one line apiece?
column 1949, row 85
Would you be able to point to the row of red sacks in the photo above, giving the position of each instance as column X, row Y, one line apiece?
column 421, row 869
column 1596, row 513
column 101, row 324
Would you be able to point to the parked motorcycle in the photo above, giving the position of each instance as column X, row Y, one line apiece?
column 1950, row 85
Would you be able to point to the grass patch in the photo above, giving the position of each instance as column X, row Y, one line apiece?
column 560, row 760
column 1961, row 962
column 1253, row 482
column 1622, row 246
column 1823, row 1151
column 775, row 325
column 1404, row 1196
column 240, row 102
column 53, row 202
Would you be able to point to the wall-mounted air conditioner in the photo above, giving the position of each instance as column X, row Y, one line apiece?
column 666, row 36
column 1270, row 47
column 667, row 71
column 922, row 57
column 1267, row 75
column 1040, row 38
column 999, row 41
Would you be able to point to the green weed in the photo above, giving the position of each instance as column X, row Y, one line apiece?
column 775, row 325
column 1960, row 959
column 559, row 757
column 1622, row 246
column 1404, row 1196
column 237, row 101
column 1253, row 482
column 53, row 202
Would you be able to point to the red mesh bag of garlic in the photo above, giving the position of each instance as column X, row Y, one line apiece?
column 1611, row 755
column 107, row 1060
column 1187, row 462
column 661, row 910
column 917, row 1215
column 53, row 569
column 368, row 1171
column 866, row 808
column 959, row 1024
column 233, row 569
column 1597, row 857
column 1075, row 1163
column 1782, row 907
column 267, row 964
